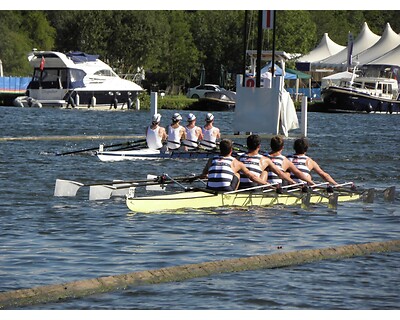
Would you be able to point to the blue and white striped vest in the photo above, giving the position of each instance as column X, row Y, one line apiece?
column 253, row 164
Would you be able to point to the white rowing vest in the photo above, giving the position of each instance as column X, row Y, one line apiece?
column 278, row 161
column 300, row 163
column 209, row 138
column 153, row 138
column 191, row 136
column 174, row 135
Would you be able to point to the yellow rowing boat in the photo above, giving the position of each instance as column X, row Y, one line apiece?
column 205, row 199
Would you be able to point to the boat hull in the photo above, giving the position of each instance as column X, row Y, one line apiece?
column 210, row 104
column 338, row 99
column 202, row 200
column 79, row 100
column 148, row 154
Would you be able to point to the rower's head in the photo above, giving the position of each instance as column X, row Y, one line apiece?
column 277, row 143
column 300, row 146
column 209, row 117
column 156, row 118
column 253, row 142
column 176, row 117
column 191, row 117
column 225, row 147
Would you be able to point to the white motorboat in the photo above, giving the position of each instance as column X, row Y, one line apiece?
column 360, row 94
column 76, row 80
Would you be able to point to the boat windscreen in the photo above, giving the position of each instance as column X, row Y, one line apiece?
column 80, row 57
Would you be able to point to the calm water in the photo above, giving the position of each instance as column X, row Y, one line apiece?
column 49, row 240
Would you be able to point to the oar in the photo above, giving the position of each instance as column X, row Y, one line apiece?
column 132, row 146
column 69, row 188
column 104, row 191
column 262, row 186
column 96, row 148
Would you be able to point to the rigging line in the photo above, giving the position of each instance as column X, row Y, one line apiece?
column 250, row 30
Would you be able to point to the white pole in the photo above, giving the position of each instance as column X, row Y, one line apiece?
column 304, row 116
column 137, row 104
column 153, row 103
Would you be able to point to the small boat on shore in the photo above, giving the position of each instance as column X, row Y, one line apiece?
column 362, row 95
column 76, row 80
column 216, row 101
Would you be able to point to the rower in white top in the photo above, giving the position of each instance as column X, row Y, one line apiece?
column 210, row 133
column 194, row 133
column 155, row 134
column 176, row 133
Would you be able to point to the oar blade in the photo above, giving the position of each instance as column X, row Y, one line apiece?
column 389, row 194
column 102, row 192
column 369, row 195
column 306, row 200
column 121, row 189
column 154, row 187
column 66, row 188
column 333, row 201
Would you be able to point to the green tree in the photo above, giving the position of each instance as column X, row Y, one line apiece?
column 295, row 31
column 218, row 36
column 22, row 31
column 180, row 55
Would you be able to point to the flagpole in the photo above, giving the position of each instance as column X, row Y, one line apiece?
column 259, row 48
column 273, row 45
column 246, row 30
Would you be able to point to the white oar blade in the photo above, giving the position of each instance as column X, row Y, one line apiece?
column 154, row 187
column 121, row 189
column 100, row 192
column 66, row 188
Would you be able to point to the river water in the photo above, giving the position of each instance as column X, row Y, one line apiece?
column 51, row 240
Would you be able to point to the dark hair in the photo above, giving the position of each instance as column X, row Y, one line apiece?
column 276, row 143
column 253, row 141
column 225, row 147
column 300, row 146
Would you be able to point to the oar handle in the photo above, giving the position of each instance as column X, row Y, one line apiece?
column 252, row 188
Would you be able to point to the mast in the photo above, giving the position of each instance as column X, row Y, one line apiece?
column 245, row 32
column 259, row 48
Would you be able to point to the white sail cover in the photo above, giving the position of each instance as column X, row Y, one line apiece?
column 288, row 116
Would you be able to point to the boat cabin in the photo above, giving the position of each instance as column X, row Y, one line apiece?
column 380, row 87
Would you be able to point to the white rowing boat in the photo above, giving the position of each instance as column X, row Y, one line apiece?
column 146, row 154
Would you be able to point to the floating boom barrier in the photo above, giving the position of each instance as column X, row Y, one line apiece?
column 83, row 288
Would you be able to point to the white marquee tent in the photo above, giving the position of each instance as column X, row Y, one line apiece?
column 390, row 58
column 387, row 42
column 365, row 40
column 325, row 49
column 367, row 48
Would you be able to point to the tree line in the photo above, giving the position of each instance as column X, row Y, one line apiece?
column 173, row 46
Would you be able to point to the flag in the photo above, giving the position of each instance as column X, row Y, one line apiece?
column 41, row 66
column 350, row 42
column 268, row 19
